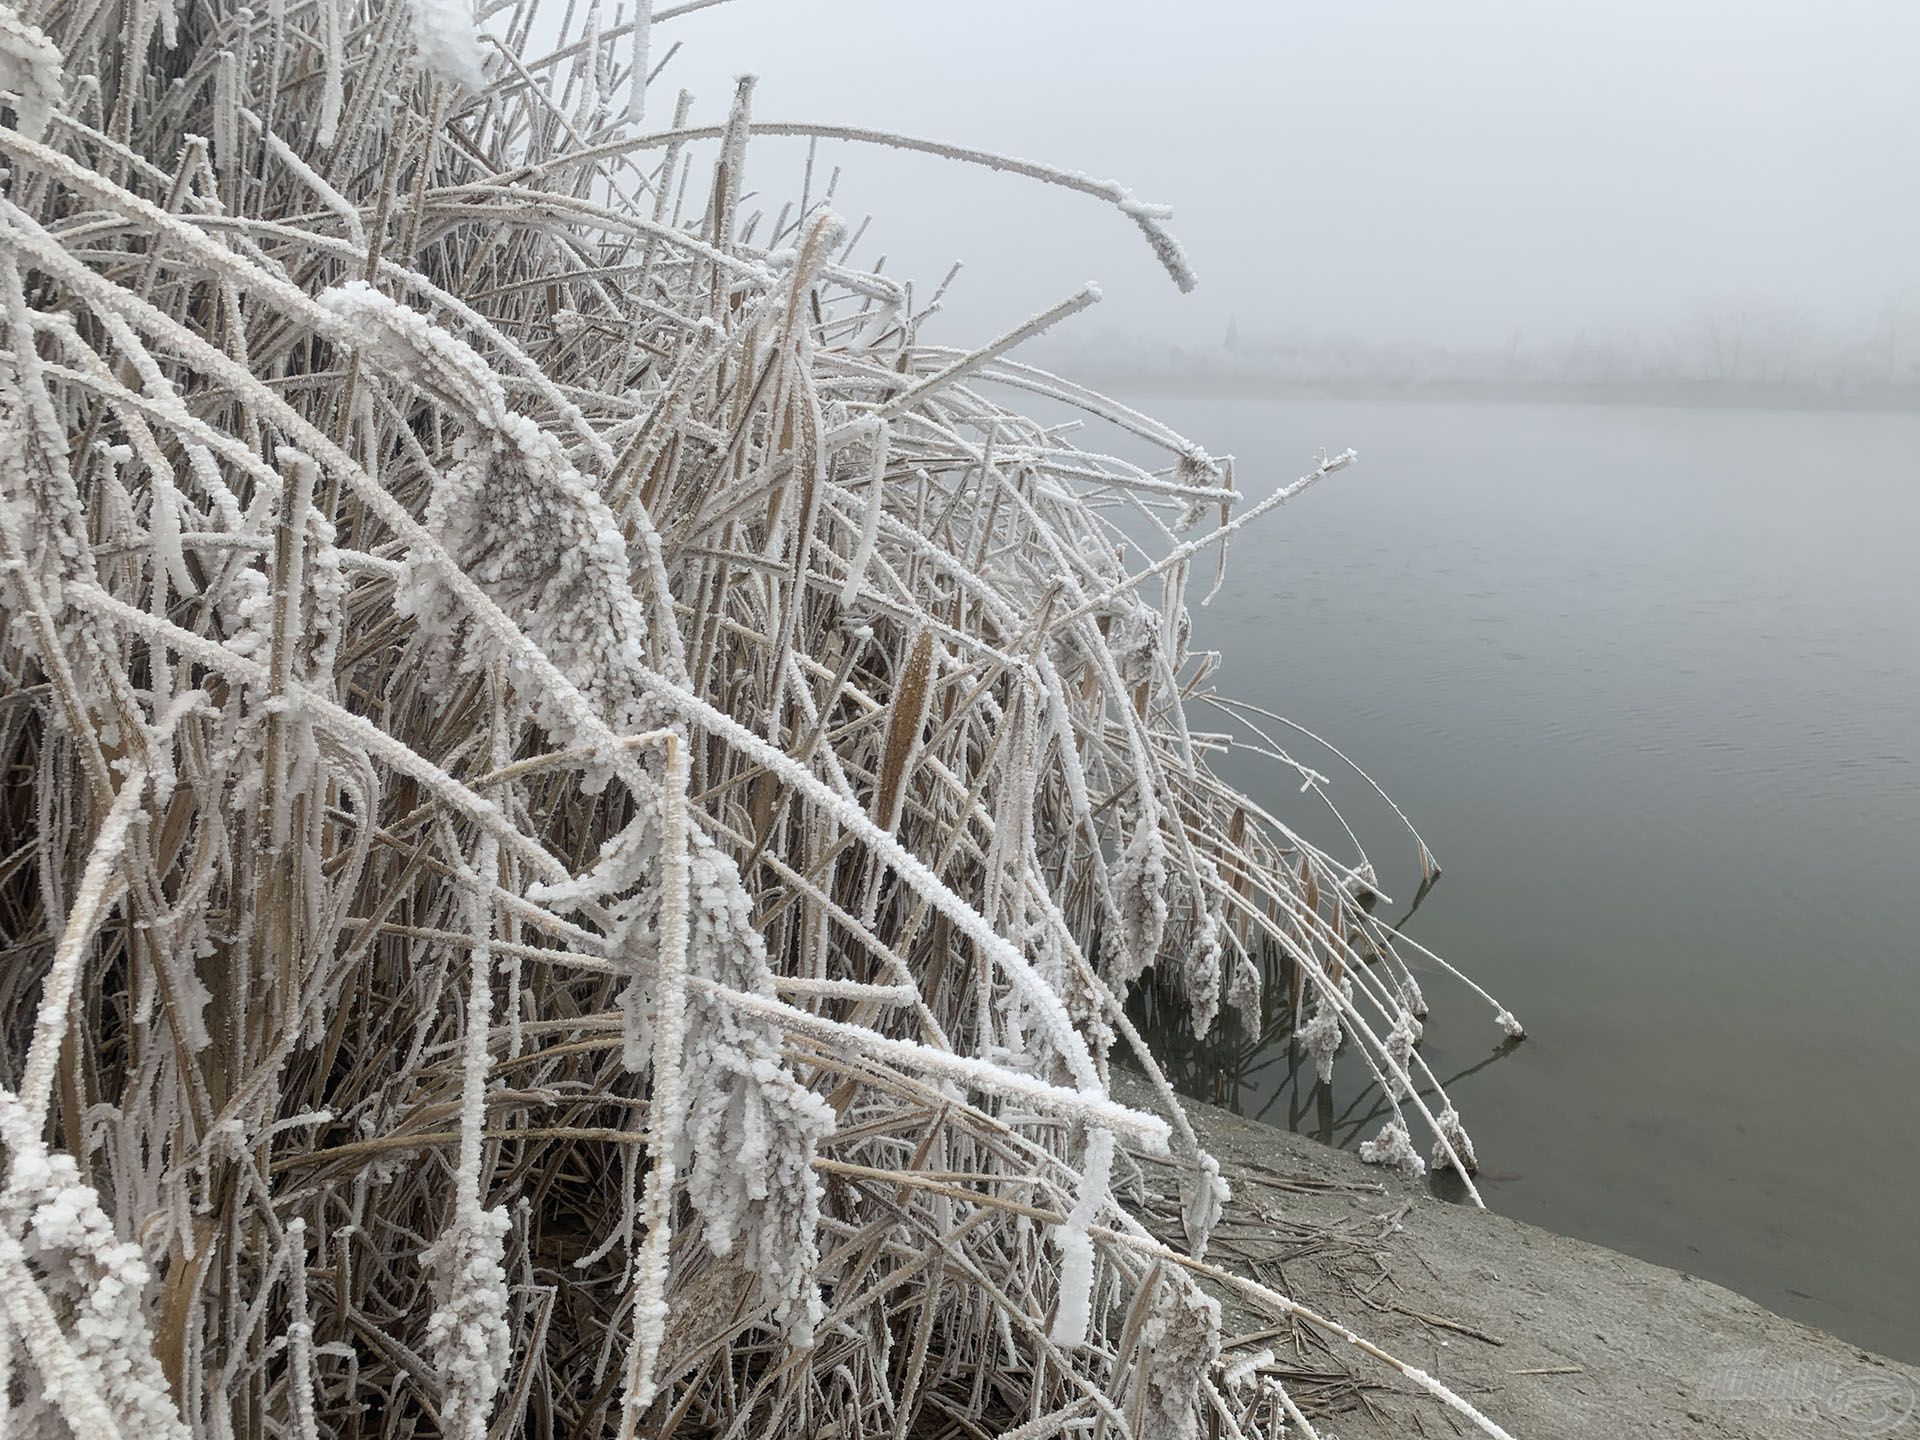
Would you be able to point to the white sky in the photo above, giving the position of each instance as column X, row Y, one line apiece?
column 1396, row 169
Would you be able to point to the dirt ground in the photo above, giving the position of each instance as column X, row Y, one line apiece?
column 1552, row 1338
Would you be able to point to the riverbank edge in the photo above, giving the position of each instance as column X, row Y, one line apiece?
column 1551, row 1337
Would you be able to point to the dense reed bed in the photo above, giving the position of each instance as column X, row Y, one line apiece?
column 582, row 801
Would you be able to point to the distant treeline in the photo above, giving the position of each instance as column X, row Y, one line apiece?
column 1725, row 356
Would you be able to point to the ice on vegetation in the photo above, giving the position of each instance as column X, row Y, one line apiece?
column 1393, row 1148
column 594, row 795
column 30, row 68
column 447, row 42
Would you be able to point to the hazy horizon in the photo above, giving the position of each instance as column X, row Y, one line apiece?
column 1391, row 172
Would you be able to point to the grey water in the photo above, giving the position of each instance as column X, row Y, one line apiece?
column 1648, row 682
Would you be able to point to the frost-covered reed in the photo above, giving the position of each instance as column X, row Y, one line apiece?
column 582, row 800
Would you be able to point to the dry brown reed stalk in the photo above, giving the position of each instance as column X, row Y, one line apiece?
column 583, row 802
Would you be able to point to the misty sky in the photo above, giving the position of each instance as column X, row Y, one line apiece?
column 1394, row 169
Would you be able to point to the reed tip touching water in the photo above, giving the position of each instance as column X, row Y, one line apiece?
column 583, row 802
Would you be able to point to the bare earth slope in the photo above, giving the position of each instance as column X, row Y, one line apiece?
column 1589, row 1342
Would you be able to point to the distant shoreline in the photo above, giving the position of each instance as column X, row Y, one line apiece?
column 1690, row 396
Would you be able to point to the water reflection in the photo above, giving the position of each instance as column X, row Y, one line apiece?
column 1649, row 681
column 1261, row 1072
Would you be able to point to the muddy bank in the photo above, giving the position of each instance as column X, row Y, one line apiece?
column 1551, row 1337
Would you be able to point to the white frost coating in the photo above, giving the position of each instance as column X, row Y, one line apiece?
column 1244, row 1373
column 467, row 1332
column 405, row 341
column 63, row 1379
column 1393, row 1147
column 1506, row 1021
column 1075, row 1312
column 1410, row 996
column 593, row 65
column 1322, row 1035
column 445, row 39
column 95, row 1282
column 666, row 1118
column 1179, row 1343
column 517, row 518
column 1398, row 1046
column 1071, row 1320
column 300, row 1333
column 989, row 1076
column 1140, row 889
column 468, row 1329
column 751, row 1130
column 98, row 884
column 30, row 68
column 1454, row 1134
column 870, row 524
column 1200, row 974
column 165, row 526
column 1204, row 1194
column 640, row 40
column 640, row 879
column 333, row 87
column 525, row 524
column 1244, row 990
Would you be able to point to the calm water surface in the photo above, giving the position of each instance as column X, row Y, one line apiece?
column 1648, row 681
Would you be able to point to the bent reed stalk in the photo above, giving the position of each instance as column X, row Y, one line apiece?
column 583, row 802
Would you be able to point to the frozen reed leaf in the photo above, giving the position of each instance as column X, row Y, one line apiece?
column 1399, row 1044
column 1506, row 1021
column 325, row 611
column 467, row 1334
column 1140, row 890
column 1179, row 1344
column 1244, row 991
column 517, row 517
column 1204, row 1194
column 1393, row 1147
column 1152, row 222
column 246, row 612
column 629, row 879
column 1322, row 1035
column 1133, row 633
column 406, row 343
column 1200, row 974
column 43, row 523
column 751, row 1130
column 1453, row 1133
column 523, row 523
column 30, row 68
column 96, row 1281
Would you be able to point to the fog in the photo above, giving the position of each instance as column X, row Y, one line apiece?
column 1465, row 174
